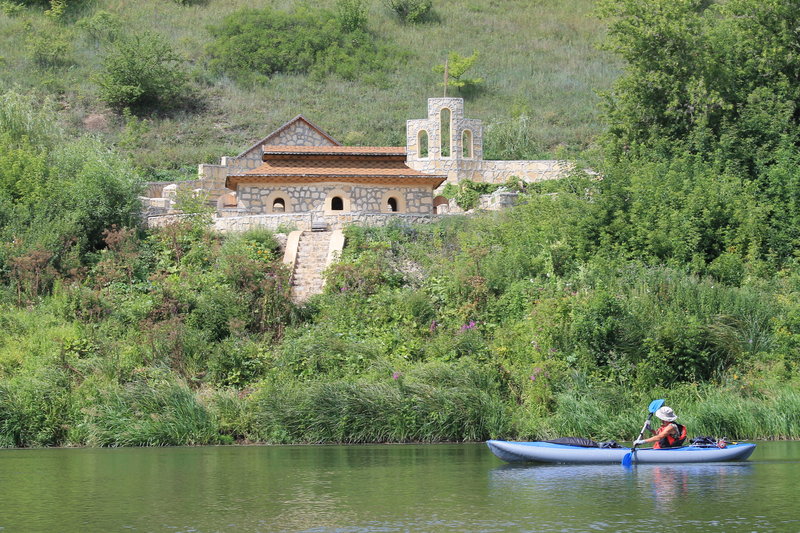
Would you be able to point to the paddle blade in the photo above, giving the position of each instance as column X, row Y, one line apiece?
column 627, row 459
column 655, row 405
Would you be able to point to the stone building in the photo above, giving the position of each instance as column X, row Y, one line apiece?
column 299, row 175
column 333, row 180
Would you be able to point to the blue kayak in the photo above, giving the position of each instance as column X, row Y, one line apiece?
column 547, row 452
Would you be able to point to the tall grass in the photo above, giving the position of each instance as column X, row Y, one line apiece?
column 608, row 412
column 160, row 414
column 405, row 409
column 720, row 413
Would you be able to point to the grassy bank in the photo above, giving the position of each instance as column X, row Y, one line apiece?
column 671, row 272
column 159, row 344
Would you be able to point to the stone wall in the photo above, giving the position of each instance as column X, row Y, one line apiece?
column 497, row 200
column 258, row 199
column 467, row 164
column 155, row 189
column 491, row 171
column 299, row 221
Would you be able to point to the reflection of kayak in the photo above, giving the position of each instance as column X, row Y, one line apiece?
column 546, row 452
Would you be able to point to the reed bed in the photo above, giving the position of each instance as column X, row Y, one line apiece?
column 406, row 409
column 608, row 413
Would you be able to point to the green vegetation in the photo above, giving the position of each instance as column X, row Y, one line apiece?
column 456, row 67
column 380, row 78
column 142, row 73
column 467, row 192
column 412, row 11
column 671, row 271
column 253, row 45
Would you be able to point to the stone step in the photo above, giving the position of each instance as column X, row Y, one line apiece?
column 312, row 253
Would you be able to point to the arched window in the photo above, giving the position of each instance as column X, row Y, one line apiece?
column 445, row 139
column 422, row 143
column 338, row 200
column 278, row 201
column 392, row 204
column 466, row 144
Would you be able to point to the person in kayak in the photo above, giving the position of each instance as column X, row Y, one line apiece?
column 669, row 435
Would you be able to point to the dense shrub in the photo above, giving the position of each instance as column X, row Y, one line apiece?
column 352, row 15
column 411, row 11
column 103, row 26
column 142, row 72
column 255, row 44
column 56, row 199
column 50, row 51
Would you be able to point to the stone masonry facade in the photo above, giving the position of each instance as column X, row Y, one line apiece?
column 259, row 199
column 296, row 132
column 463, row 148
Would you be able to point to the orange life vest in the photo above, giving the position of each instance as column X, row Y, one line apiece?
column 671, row 441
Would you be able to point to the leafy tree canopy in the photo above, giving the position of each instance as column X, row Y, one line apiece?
column 703, row 130
column 457, row 66
column 143, row 73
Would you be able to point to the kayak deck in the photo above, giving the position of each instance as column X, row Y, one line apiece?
column 546, row 452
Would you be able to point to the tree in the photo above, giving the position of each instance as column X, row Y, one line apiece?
column 454, row 69
column 143, row 73
column 703, row 126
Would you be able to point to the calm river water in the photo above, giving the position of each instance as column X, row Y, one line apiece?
column 385, row 488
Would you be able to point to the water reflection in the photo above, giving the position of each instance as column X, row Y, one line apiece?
column 672, row 485
column 616, row 493
column 345, row 489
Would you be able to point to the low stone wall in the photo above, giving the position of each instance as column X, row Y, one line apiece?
column 257, row 198
column 491, row 171
column 299, row 221
column 304, row 221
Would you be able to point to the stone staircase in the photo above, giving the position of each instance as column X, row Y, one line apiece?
column 313, row 256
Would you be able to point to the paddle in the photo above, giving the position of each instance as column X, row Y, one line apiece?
column 627, row 460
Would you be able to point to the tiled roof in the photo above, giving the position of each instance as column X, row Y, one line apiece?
column 335, row 150
column 355, row 164
column 338, row 167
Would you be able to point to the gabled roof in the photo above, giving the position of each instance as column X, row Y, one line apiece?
column 357, row 164
column 298, row 118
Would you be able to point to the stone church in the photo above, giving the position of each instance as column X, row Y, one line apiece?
column 300, row 176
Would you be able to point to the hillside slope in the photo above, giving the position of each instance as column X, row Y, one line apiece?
column 538, row 60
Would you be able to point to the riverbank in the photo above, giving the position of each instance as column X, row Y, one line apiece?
column 429, row 403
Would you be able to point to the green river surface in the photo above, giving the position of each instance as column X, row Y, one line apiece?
column 385, row 488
